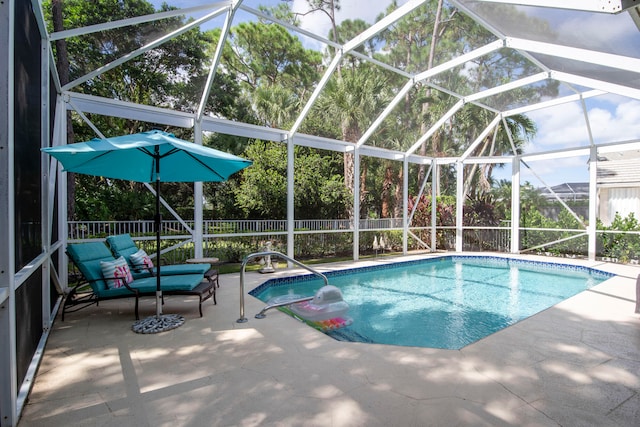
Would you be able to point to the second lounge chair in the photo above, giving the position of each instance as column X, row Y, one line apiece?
column 122, row 245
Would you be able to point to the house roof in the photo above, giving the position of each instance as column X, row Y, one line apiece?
column 571, row 188
column 568, row 190
column 624, row 173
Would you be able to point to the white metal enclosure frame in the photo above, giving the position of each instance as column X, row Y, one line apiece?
column 8, row 363
column 201, row 123
column 585, row 71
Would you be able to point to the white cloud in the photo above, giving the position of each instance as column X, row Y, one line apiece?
column 564, row 126
column 620, row 124
column 559, row 127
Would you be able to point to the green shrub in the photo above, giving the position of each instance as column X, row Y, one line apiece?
column 621, row 246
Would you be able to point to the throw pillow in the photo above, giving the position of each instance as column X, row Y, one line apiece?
column 141, row 261
column 116, row 273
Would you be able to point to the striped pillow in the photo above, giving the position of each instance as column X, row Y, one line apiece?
column 141, row 261
column 116, row 273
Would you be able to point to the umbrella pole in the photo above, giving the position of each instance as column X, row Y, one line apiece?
column 160, row 322
column 158, row 221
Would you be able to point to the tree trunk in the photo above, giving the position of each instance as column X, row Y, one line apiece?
column 483, row 181
column 397, row 209
column 425, row 106
column 363, row 186
column 353, row 134
column 386, row 192
column 62, row 64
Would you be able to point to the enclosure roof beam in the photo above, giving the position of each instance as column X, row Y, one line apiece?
column 378, row 121
column 230, row 127
column 481, row 137
column 382, row 24
column 514, row 149
column 316, row 92
column 349, row 46
column 117, row 108
column 111, row 65
column 42, row 27
column 460, row 60
column 446, row 116
column 614, row 147
column 214, row 62
column 76, row 32
column 488, row 160
column 507, row 87
column 324, row 40
column 600, row 6
column 617, row 89
column 557, row 154
column 84, row 103
column 383, row 153
column 620, row 62
column 553, row 102
column 460, row 97
column 291, row 27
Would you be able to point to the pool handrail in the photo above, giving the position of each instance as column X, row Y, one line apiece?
column 249, row 257
column 262, row 314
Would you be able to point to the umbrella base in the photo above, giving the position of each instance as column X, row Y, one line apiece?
column 156, row 324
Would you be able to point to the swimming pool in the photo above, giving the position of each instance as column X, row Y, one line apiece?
column 446, row 302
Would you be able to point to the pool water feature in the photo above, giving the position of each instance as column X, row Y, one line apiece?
column 446, row 302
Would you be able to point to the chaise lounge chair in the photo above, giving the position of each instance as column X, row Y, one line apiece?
column 94, row 258
column 122, row 245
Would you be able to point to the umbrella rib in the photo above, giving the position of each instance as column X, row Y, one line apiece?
column 91, row 160
column 146, row 151
column 154, row 156
column 205, row 165
column 170, row 152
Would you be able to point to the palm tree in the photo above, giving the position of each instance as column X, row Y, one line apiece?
column 520, row 127
column 275, row 105
column 350, row 101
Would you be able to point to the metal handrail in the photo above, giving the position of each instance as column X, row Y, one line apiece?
column 261, row 315
column 243, row 319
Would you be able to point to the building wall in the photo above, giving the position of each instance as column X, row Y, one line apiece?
column 621, row 200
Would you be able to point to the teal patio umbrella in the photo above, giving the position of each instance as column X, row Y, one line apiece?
column 153, row 156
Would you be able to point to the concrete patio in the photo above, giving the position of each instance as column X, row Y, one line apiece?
column 575, row 364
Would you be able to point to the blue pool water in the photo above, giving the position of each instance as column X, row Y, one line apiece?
column 446, row 302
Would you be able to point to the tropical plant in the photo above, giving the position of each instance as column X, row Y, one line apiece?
column 319, row 188
column 622, row 246
column 348, row 103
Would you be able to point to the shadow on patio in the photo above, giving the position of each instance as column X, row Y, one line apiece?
column 577, row 363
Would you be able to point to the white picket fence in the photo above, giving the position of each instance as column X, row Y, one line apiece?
column 82, row 230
